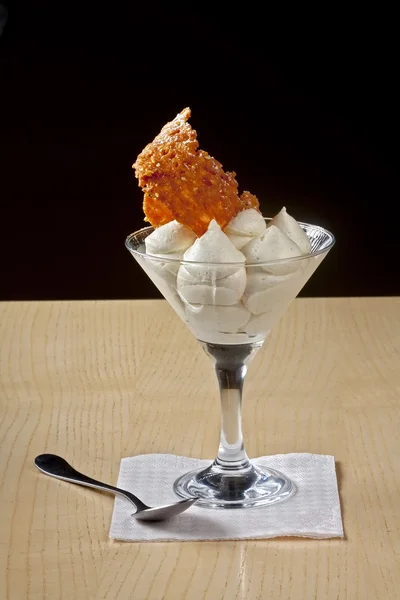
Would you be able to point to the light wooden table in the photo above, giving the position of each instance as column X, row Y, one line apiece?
column 95, row 381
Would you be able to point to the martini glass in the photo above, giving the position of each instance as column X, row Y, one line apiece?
column 231, row 308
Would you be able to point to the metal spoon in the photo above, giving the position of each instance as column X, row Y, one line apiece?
column 57, row 467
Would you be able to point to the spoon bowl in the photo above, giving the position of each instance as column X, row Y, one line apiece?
column 56, row 466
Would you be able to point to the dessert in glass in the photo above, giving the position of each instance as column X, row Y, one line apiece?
column 229, row 273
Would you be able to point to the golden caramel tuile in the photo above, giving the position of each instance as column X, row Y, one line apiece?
column 184, row 183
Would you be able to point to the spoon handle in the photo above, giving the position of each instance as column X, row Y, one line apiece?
column 57, row 467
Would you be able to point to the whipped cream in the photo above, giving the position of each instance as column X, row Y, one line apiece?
column 220, row 297
column 213, row 246
column 266, row 293
column 273, row 245
column 163, row 275
column 290, row 227
column 201, row 290
column 169, row 241
column 173, row 239
column 216, row 320
column 247, row 225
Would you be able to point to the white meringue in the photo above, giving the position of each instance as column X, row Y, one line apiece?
column 247, row 225
column 213, row 247
column 273, row 245
column 290, row 227
column 221, row 292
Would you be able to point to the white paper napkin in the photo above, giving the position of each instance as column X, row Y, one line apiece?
column 314, row 511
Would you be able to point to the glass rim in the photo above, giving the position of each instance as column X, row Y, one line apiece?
column 278, row 261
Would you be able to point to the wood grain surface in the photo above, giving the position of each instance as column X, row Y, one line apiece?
column 96, row 381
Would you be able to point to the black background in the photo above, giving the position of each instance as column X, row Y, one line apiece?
column 305, row 110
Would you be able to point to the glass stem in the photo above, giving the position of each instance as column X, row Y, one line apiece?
column 231, row 362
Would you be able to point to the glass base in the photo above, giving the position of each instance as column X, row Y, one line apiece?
column 221, row 487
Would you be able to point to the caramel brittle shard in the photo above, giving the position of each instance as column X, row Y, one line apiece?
column 181, row 182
